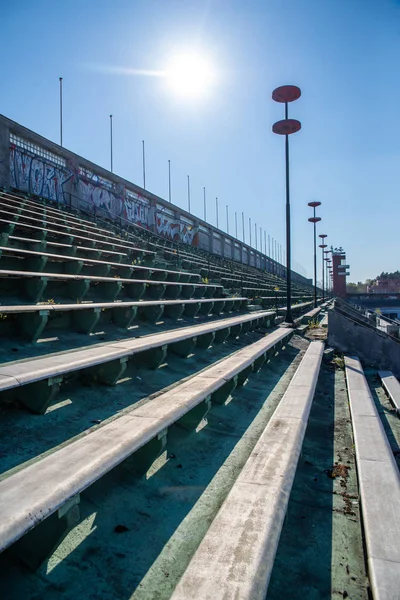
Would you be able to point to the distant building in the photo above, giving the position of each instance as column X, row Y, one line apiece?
column 339, row 272
column 380, row 286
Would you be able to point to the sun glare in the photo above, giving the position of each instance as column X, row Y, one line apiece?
column 189, row 74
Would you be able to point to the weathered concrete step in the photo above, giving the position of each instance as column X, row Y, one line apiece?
column 379, row 482
column 48, row 490
column 236, row 556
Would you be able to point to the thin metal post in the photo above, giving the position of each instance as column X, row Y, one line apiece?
column 289, row 317
column 269, row 245
column 250, row 229
column 61, row 111
column 323, row 278
column 255, row 233
column 315, row 262
column 169, row 180
column 244, row 235
column 144, row 166
column 188, row 185
column 236, row 234
column 111, row 142
column 216, row 209
column 204, row 203
column 227, row 220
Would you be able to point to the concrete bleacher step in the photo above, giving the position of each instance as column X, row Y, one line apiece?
column 236, row 556
column 36, row 382
column 40, row 502
column 392, row 388
column 379, row 483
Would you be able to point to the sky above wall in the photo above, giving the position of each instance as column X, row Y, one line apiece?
column 343, row 54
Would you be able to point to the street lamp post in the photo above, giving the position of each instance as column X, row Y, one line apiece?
column 169, row 180
column 286, row 94
column 315, row 220
column 216, row 209
column 204, row 203
column 111, row 143
column 188, row 192
column 322, row 246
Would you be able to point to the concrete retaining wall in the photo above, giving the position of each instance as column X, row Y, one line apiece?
column 33, row 164
column 373, row 347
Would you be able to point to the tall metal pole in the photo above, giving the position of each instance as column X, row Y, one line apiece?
column 323, row 276
column 61, row 111
column 269, row 245
column 244, row 235
column 236, row 234
column 250, row 229
column 111, row 142
column 144, row 166
column 188, row 185
column 169, row 180
column 255, row 233
column 204, row 203
column 315, row 262
column 216, row 209
column 227, row 220
column 261, row 240
column 289, row 317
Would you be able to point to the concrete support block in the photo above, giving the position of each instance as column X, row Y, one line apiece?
column 84, row 321
column 236, row 330
column 73, row 267
column 258, row 363
column 218, row 308
column 193, row 418
column 247, row 326
column 123, row 316
column 36, row 545
column 184, row 347
column 151, row 313
column 244, row 375
column 34, row 287
column 135, row 290
column 210, row 291
column 35, row 263
column 109, row 290
column 38, row 396
column 221, row 335
column 193, row 308
column 141, row 461
column 153, row 358
column 108, row 373
column 158, row 275
column 199, row 292
column 31, row 325
column 174, row 311
column 78, row 288
column 221, row 395
column 155, row 292
column 188, row 291
column 173, row 292
column 206, row 308
column 101, row 270
column 206, row 340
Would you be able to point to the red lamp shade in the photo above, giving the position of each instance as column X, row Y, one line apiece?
column 286, row 93
column 314, row 219
column 286, row 126
column 314, row 204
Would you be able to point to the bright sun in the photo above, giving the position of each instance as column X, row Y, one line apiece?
column 189, row 74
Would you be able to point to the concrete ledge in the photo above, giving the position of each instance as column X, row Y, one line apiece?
column 392, row 388
column 379, row 482
column 36, row 492
column 236, row 557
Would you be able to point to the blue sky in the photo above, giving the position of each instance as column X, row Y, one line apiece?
column 344, row 54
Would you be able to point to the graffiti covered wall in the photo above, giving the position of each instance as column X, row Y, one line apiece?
column 174, row 229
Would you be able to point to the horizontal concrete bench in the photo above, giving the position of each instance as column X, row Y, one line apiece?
column 236, row 556
column 38, row 207
column 379, row 483
column 26, row 243
column 35, row 382
column 31, row 319
column 34, row 284
column 21, row 208
column 8, row 226
column 310, row 315
column 392, row 388
column 324, row 321
column 37, row 261
column 48, row 490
